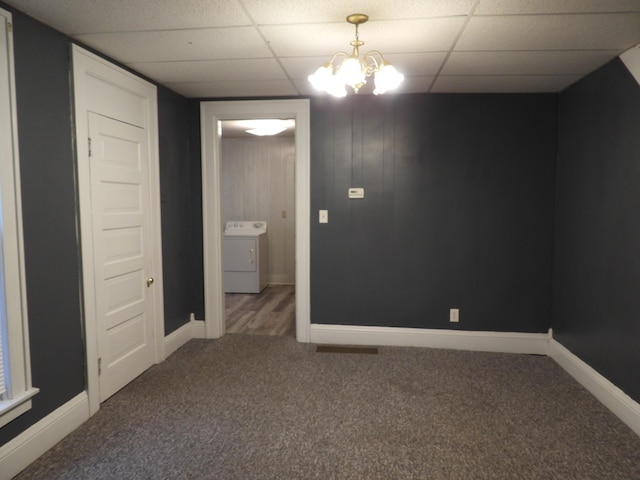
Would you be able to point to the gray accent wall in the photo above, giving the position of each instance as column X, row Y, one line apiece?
column 177, row 118
column 596, row 302
column 457, row 213
column 50, row 214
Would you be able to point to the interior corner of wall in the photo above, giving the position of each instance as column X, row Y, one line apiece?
column 631, row 59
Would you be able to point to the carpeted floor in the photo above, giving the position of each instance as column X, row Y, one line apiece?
column 258, row 407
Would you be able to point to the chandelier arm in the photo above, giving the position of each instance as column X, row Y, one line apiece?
column 371, row 55
column 336, row 55
column 370, row 63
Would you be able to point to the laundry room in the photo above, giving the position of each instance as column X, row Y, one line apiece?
column 258, row 208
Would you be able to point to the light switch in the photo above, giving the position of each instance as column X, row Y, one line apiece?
column 356, row 193
column 324, row 216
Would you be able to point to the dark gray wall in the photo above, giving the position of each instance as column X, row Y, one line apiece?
column 49, row 208
column 596, row 305
column 177, row 119
column 49, row 219
column 458, row 210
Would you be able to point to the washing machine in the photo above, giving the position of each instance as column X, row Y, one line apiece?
column 245, row 256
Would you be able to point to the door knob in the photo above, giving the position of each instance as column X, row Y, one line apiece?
column 150, row 280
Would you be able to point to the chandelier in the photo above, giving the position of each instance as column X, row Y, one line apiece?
column 354, row 71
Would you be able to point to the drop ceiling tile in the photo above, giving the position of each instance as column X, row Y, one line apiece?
column 210, row 70
column 267, row 88
column 522, row 63
column 304, row 40
column 281, row 12
column 202, row 44
column 299, row 68
column 418, row 84
column 417, row 64
column 305, row 88
column 551, row 32
column 505, row 7
column 503, row 84
column 430, row 35
column 82, row 16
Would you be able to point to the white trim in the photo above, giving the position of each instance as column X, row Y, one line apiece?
column 506, row 342
column 178, row 338
column 199, row 329
column 631, row 59
column 87, row 66
column 210, row 114
column 623, row 406
column 19, row 453
column 16, row 406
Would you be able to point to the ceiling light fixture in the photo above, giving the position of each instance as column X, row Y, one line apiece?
column 353, row 70
column 266, row 126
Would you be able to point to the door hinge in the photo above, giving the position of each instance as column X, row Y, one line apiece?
column 10, row 26
column 89, row 146
column 99, row 366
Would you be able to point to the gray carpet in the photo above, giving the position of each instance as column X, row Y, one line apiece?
column 256, row 407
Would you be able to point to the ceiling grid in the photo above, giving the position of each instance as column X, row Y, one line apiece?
column 249, row 48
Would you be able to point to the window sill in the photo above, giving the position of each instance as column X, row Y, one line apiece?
column 12, row 409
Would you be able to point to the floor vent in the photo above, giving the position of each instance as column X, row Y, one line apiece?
column 341, row 349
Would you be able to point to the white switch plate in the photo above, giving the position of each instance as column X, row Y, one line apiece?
column 454, row 315
column 356, row 192
column 323, row 216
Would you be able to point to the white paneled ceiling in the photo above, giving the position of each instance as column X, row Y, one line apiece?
column 249, row 48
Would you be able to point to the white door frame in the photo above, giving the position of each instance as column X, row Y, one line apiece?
column 211, row 113
column 104, row 88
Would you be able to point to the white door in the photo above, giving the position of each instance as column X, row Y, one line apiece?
column 118, row 164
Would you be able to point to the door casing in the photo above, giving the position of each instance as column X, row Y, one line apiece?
column 211, row 113
column 104, row 88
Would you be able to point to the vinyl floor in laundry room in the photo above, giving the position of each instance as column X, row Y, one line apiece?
column 271, row 312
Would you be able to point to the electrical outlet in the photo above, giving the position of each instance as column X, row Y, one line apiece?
column 454, row 315
column 323, row 216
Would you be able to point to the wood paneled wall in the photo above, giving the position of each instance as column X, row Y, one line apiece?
column 258, row 184
column 596, row 268
column 457, row 213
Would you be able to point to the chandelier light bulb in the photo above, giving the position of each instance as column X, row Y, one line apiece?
column 351, row 73
column 322, row 78
column 336, row 87
column 387, row 78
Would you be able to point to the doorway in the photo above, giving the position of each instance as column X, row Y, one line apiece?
column 258, row 187
column 212, row 114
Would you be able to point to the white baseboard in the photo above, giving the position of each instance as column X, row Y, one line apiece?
column 198, row 328
column 529, row 343
column 623, row 406
column 281, row 279
column 19, row 453
column 177, row 338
